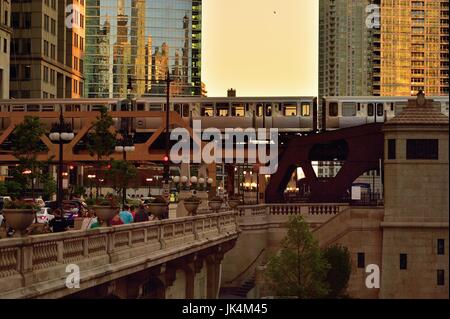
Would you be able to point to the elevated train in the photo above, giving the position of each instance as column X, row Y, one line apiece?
column 288, row 114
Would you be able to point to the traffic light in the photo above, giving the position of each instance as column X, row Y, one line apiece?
column 166, row 159
column 166, row 167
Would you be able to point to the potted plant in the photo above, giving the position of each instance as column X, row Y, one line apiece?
column 234, row 201
column 19, row 214
column 215, row 203
column 191, row 204
column 159, row 207
column 105, row 208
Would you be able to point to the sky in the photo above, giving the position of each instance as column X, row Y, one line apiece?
column 260, row 47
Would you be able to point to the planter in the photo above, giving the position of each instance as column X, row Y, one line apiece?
column 191, row 207
column 105, row 213
column 215, row 205
column 19, row 219
column 158, row 209
column 234, row 203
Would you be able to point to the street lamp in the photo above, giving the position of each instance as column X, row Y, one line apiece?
column 61, row 133
column 125, row 146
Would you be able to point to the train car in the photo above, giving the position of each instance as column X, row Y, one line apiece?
column 288, row 114
column 342, row 112
column 37, row 106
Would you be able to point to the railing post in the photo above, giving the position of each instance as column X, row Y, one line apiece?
column 162, row 242
column 60, row 251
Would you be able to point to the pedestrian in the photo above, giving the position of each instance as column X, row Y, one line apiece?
column 133, row 210
column 89, row 220
column 125, row 215
column 141, row 215
column 58, row 223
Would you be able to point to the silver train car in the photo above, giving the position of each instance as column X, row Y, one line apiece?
column 287, row 114
column 341, row 112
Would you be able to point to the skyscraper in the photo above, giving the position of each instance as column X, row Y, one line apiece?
column 344, row 48
column 405, row 53
column 146, row 39
column 47, row 49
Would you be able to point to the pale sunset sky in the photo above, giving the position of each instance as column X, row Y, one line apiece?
column 260, row 47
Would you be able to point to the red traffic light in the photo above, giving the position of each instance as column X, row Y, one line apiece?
column 165, row 158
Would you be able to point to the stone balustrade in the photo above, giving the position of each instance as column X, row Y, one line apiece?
column 35, row 266
column 291, row 209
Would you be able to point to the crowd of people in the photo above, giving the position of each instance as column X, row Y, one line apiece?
column 127, row 215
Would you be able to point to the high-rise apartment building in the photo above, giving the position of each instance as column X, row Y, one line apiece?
column 5, row 40
column 47, row 49
column 405, row 53
column 344, row 48
column 132, row 44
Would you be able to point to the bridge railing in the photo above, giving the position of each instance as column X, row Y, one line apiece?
column 35, row 259
column 291, row 209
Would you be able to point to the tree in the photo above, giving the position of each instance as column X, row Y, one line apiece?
column 27, row 144
column 48, row 186
column 121, row 174
column 299, row 269
column 340, row 268
column 102, row 142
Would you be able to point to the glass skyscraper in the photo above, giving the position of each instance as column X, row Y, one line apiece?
column 132, row 44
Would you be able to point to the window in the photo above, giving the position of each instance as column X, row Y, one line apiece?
column 53, row 26
column 290, row 110
column 370, row 109
column 15, row 20
column 361, row 260
column 222, row 109
column 207, row 110
column 391, row 149
column 5, row 45
column 306, row 109
column 46, row 23
column 422, row 149
column 238, row 110
column 333, row 109
column 441, row 246
column 45, row 74
column 348, row 109
column 268, row 109
column 403, row 261
column 27, row 72
column 26, row 20
column 380, row 109
column 440, row 277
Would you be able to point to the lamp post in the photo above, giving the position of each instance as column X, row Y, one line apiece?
column 149, row 180
column 61, row 133
column 166, row 159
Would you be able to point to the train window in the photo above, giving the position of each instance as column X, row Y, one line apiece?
column 18, row 108
column 399, row 108
column 113, row 107
column 47, row 108
column 290, row 109
column 268, row 109
column 370, row 109
column 177, row 108
column 359, row 106
column 155, row 107
column 186, row 110
column 333, row 109
column 238, row 110
column 348, row 109
column 222, row 109
column 392, row 106
column 33, row 108
column 141, row 106
column 259, row 110
column 380, row 109
column 74, row 108
column 306, row 109
column 207, row 110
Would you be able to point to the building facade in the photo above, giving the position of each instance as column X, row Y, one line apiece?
column 387, row 48
column 5, row 40
column 47, row 49
column 133, row 44
column 344, row 49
